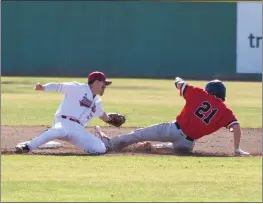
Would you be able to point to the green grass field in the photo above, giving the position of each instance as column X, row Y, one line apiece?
column 127, row 178
column 145, row 102
column 130, row 179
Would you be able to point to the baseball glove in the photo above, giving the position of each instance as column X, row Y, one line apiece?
column 116, row 119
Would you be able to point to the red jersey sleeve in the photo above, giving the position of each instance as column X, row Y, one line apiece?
column 229, row 119
column 188, row 91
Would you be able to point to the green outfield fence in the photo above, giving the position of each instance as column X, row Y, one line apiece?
column 123, row 39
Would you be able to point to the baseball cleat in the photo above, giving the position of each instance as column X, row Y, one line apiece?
column 147, row 146
column 139, row 147
column 22, row 148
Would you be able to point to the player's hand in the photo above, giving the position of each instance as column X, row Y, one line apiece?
column 239, row 151
column 178, row 80
column 39, row 87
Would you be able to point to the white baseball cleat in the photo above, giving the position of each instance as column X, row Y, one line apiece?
column 144, row 146
column 165, row 145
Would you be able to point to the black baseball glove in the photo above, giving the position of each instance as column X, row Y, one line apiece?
column 116, row 119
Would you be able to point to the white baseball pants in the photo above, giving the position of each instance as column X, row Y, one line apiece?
column 72, row 132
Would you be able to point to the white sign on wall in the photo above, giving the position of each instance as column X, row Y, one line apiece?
column 249, row 37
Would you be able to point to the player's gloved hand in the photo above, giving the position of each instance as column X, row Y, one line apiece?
column 239, row 151
column 177, row 80
column 116, row 119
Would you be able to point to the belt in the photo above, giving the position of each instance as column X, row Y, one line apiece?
column 179, row 128
column 70, row 118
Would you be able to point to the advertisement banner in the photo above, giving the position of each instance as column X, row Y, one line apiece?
column 249, row 37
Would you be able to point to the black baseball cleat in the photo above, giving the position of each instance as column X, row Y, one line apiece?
column 22, row 148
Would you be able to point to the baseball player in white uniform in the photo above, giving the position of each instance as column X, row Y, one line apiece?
column 79, row 106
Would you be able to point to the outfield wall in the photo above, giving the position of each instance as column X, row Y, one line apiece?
column 249, row 37
column 123, row 39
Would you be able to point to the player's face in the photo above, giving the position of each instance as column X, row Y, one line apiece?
column 101, row 87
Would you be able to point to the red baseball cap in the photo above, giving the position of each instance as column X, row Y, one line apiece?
column 98, row 76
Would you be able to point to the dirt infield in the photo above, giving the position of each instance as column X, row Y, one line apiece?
column 217, row 144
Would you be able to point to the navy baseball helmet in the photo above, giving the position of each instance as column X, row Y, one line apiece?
column 216, row 88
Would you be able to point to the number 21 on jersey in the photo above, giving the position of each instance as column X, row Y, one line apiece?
column 205, row 108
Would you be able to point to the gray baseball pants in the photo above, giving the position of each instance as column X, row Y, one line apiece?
column 164, row 132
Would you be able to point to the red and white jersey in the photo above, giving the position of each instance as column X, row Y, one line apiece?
column 78, row 101
column 203, row 113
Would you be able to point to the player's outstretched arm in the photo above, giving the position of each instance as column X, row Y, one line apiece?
column 65, row 87
column 47, row 87
column 237, row 136
column 105, row 117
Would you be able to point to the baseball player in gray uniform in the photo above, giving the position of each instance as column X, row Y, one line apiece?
column 79, row 106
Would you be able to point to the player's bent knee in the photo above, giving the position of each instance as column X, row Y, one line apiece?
column 102, row 150
column 99, row 149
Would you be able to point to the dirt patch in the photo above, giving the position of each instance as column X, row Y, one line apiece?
column 217, row 144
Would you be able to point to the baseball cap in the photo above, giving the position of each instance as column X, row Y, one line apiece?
column 98, row 76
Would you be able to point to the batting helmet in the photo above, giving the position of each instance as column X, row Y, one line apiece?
column 216, row 88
